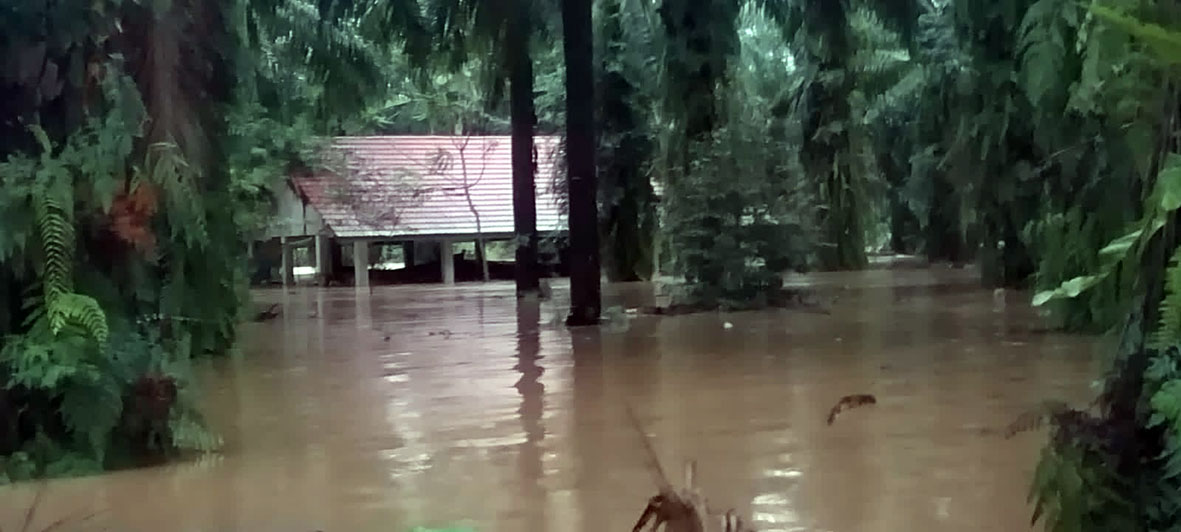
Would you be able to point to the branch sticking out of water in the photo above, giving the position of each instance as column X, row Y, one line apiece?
column 654, row 466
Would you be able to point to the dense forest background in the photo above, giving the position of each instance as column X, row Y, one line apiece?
column 1035, row 138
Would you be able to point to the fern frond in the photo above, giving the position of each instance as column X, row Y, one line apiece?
column 53, row 208
column 878, row 61
column 166, row 167
column 1168, row 332
column 80, row 310
column 56, row 230
column 900, row 96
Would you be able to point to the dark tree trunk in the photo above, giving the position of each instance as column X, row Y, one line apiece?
column 944, row 239
column 826, row 157
column 523, row 122
column 585, row 299
column 902, row 225
column 688, row 24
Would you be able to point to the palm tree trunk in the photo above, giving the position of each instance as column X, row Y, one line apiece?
column 944, row 239
column 523, row 121
column 585, row 300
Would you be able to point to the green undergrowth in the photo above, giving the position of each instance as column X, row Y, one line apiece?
column 121, row 257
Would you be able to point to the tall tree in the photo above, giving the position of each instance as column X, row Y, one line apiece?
column 524, row 120
column 624, row 42
column 503, row 29
column 585, row 299
column 700, row 40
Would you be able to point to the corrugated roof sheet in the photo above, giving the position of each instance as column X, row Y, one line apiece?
column 392, row 186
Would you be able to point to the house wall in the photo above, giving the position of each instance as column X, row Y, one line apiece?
column 294, row 218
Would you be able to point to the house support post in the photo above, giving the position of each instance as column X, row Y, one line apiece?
column 360, row 264
column 288, row 265
column 323, row 260
column 447, row 259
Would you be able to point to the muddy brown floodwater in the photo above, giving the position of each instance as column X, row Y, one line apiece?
column 428, row 406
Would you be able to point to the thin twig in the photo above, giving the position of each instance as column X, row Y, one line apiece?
column 32, row 511
column 71, row 518
column 654, row 461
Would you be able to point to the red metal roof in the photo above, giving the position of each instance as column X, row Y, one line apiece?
column 394, row 186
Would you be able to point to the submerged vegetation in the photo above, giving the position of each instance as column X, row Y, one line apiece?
column 735, row 140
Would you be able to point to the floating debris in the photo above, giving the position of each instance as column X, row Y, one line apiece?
column 269, row 314
column 849, row 402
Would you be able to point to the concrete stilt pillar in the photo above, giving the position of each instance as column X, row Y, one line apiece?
column 482, row 259
column 656, row 259
column 288, row 264
column 323, row 260
column 447, row 258
column 360, row 263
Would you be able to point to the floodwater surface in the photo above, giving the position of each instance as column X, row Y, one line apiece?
column 432, row 406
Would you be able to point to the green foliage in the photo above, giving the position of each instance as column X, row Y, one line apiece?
column 1120, row 470
column 735, row 230
column 737, row 212
column 1168, row 332
column 93, row 386
column 1163, row 389
column 1074, row 491
column 826, row 114
column 1069, row 240
column 324, row 61
column 700, row 40
column 1165, row 43
column 1046, row 32
column 626, row 150
column 92, row 244
column 1127, row 250
column 16, row 467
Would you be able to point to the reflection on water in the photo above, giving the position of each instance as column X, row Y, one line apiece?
column 426, row 406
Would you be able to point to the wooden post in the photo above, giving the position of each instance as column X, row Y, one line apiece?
column 447, row 258
column 360, row 263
